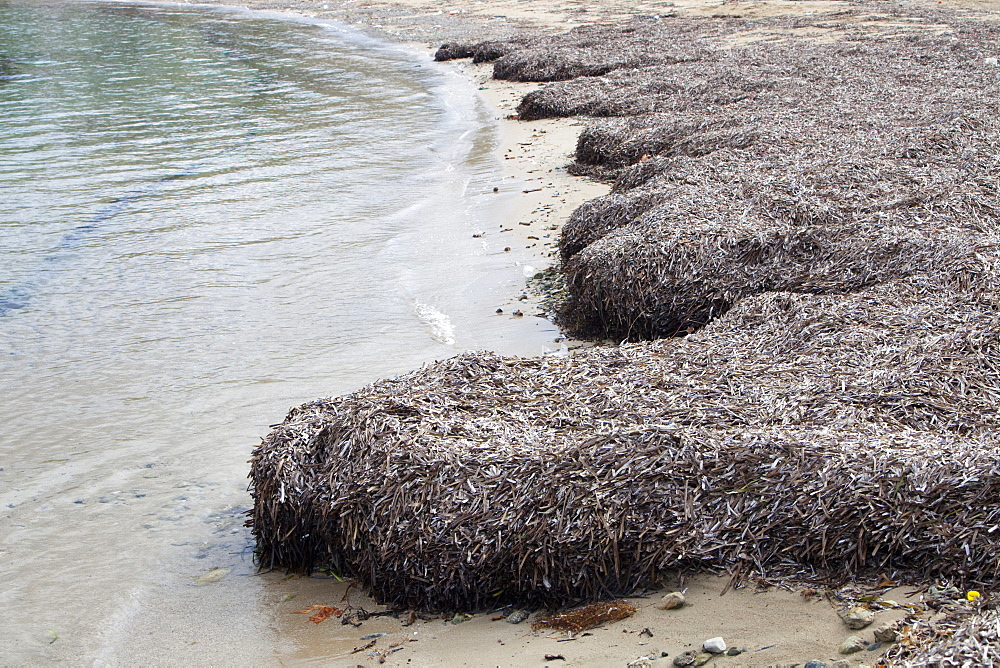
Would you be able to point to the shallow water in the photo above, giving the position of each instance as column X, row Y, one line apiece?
column 207, row 217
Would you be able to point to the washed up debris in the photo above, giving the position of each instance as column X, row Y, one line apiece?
column 321, row 613
column 587, row 617
column 355, row 617
column 364, row 647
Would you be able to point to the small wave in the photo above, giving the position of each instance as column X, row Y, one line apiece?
column 441, row 326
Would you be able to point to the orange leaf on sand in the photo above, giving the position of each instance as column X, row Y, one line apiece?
column 323, row 612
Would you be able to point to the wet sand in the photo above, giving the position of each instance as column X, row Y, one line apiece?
column 776, row 627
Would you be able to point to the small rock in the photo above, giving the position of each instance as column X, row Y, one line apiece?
column 887, row 633
column 672, row 601
column 842, row 663
column 517, row 616
column 702, row 659
column 852, row 644
column 734, row 651
column 213, row 575
column 858, row 617
column 685, row 659
column 714, row 645
column 815, row 664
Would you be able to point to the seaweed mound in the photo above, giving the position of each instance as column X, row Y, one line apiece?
column 819, row 154
column 798, row 433
column 803, row 235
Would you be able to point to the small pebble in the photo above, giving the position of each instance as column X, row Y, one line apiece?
column 685, row 659
column 852, row 644
column 213, row 575
column 735, row 651
column 842, row 663
column 702, row 659
column 517, row 616
column 671, row 601
column 887, row 633
column 858, row 617
column 714, row 645
column 815, row 664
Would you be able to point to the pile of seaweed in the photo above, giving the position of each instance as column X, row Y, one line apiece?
column 819, row 216
column 822, row 154
column 975, row 641
column 797, row 435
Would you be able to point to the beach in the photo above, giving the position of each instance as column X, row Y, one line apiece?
column 771, row 625
column 770, row 621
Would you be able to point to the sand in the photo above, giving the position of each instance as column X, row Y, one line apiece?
column 777, row 627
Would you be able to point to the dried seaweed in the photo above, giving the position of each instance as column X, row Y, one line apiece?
column 820, row 219
column 749, row 161
column 797, row 434
column 587, row 617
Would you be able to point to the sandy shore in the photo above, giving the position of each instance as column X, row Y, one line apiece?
column 776, row 627
column 772, row 627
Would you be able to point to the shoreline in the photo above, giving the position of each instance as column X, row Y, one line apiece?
column 537, row 152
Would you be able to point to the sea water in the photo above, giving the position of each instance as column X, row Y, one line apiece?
column 207, row 217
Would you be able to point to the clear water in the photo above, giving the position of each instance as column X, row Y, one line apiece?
column 207, row 217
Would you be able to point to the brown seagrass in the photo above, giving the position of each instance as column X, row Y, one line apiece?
column 814, row 203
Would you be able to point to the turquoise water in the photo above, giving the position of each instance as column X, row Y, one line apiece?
column 207, row 217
